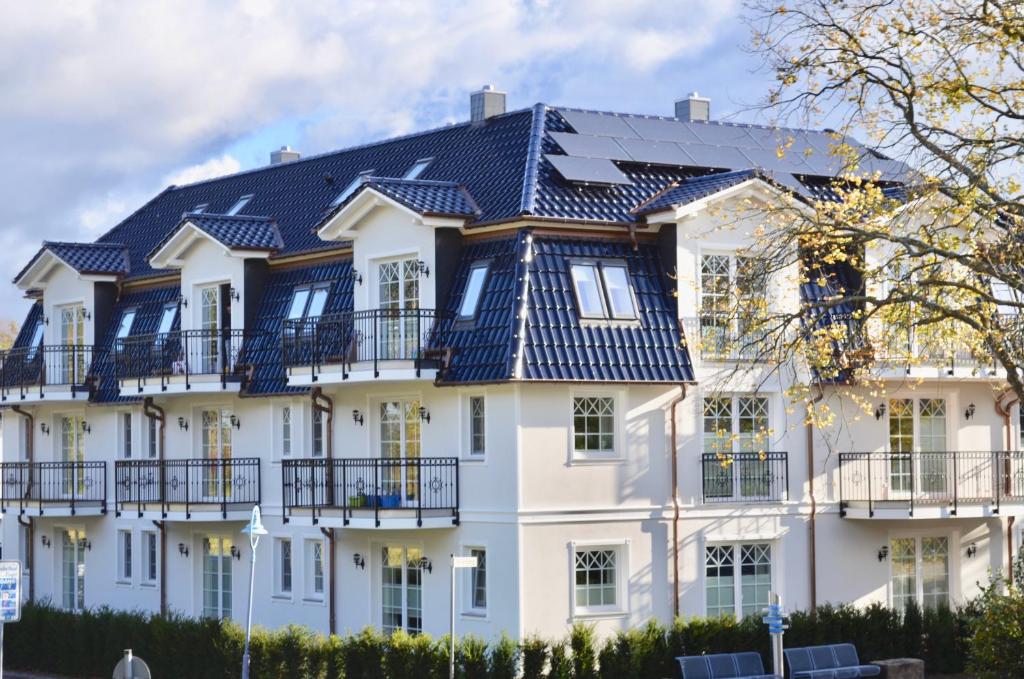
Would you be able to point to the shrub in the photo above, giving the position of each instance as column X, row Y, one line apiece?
column 584, row 658
column 998, row 633
column 535, row 656
column 503, row 659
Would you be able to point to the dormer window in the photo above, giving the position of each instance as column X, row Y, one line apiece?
column 125, row 326
column 36, row 341
column 603, row 290
column 308, row 301
column 239, row 205
column 474, row 290
column 351, row 188
column 199, row 209
column 417, row 168
column 167, row 316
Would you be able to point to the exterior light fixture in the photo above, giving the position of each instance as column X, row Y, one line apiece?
column 85, row 544
column 182, row 301
column 359, row 561
column 424, row 414
column 45, row 428
column 356, row 277
column 46, row 320
column 972, row 550
column 236, row 552
column 357, row 417
column 883, row 553
column 880, row 411
column 86, row 429
column 45, row 539
column 235, row 422
column 85, row 313
column 182, row 549
column 422, row 268
column 969, row 413
column 182, row 423
column 424, row 564
column 233, row 293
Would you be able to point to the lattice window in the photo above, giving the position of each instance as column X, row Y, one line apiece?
column 595, row 578
column 594, row 424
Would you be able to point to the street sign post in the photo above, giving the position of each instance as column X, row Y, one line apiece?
column 776, row 627
column 255, row 530
column 10, row 600
column 457, row 562
column 131, row 667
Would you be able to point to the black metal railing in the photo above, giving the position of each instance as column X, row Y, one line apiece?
column 182, row 354
column 745, row 477
column 47, row 365
column 41, row 485
column 723, row 337
column 222, row 483
column 373, row 336
column 371, row 485
column 943, row 478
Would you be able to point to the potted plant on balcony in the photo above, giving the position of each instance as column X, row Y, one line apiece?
column 391, row 501
column 356, row 501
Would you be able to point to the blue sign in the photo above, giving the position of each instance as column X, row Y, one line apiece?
column 10, row 591
column 773, row 619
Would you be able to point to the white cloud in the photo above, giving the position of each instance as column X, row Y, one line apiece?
column 214, row 167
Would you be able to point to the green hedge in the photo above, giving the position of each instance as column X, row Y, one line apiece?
column 89, row 644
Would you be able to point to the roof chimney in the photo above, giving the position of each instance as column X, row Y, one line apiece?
column 284, row 155
column 485, row 103
column 694, row 107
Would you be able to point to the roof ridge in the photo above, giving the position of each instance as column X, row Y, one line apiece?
column 216, row 215
column 723, row 123
column 376, row 179
column 528, row 197
column 520, row 316
column 78, row 244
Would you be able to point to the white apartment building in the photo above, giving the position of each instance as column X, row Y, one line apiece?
column 473, row 340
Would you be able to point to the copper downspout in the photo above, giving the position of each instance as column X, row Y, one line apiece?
column 155, row 412
column 812, row 529
column 1004, row 411
column 324, row 404
column 30, row 548
column 675, row 503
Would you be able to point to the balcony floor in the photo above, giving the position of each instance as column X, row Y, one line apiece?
column 389, row 519
column 54, row 509
column 177, row 512
column 176, row 384
column 892, row 511
column 360, row 372
column 54, row 394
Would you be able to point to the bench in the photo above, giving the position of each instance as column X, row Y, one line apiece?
column 724, row 666
column 836, row 661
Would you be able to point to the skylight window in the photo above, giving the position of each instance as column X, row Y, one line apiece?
column 35, row 342
column 417, row 168
column 474, row 288
column 308, row 302
column 125, row 327
column 239, row 205
column 603, row 290
column 199, row 209
column 351, row 188
column 167, row 315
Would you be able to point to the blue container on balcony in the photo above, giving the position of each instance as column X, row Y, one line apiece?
column 391, row 501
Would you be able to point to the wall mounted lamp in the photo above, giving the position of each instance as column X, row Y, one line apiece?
column 424, row 414
column 969, row 413
column 880, row 411
column 45, row 428
column 235, row 422
column 356, row 277
column 45, row 539
column 359, row 561
column 233, row 294
column 424, row 564
column 883, row 553
column 86, row 429
column 182, row 423
column 84, row 544
column 85, row 313
column 183, row 549
column 422, row 268
column 357, row 417
column 972, row 550
column 236, row 552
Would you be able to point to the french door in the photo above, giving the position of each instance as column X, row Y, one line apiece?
column 217, row 577
column 400, row 440
column 216, row 445
column 72, row 334
column 398, row 288
column 73, row 569
column 918, row 427
column 401, row 589
column 72, row 449
column 209, row 323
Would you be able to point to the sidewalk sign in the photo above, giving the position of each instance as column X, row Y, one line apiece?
column 776, row 628
column 10, row 599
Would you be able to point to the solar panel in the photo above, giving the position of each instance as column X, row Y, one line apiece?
column 656, row 152
column 600, row 124
column 659, row 129
column 789, row 181
column 589, row 170
column 722, row 135
column 770, row 160
column 716, row 156
column 589, row 146
column 824, row 164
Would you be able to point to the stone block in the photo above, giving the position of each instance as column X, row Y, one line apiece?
column 901, row 668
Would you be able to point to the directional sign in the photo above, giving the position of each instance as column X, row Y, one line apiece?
column 464, row 562
column 10, row 591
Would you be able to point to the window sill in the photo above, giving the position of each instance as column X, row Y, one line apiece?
column 123, row 584
column 148, row 585
column 313, row 601
column 597, row 615
column 474, row 459
column 479, row 616
column 282, row 598
column 595, row 458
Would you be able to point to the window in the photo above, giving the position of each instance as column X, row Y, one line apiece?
column 725, row 594
column 124, row 328
column 474, row 288
column 35, row 342
column 283, row 559
column 477, row 431
column 153, row 442
column 308, row 301
column 126, row 435
column 735, row 424
column 596, row 580
column 920, row 571
column 401, row 595
column 286, row 431
column 315, row 565
column 318, row 433
column 478, row 582
column 199, row 209
column 351, row 188
column 918, row 426
column 593, row 425
column 124, row 554
column 417, row 168
column 239, row 205
column 167, row 319
column 603, row 290
column 150, row 559
column 732, row 291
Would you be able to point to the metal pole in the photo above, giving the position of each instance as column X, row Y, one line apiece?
column 1, row 650
column 451, row 630
column 248, row 622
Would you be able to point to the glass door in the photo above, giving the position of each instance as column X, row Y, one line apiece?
column 399, row 440
column 217, row 577
column 72, row 334
column 209, row 323
column 901, row 445
column 73, row 569
column 398, row 289
column 401, row 589
column 72, row 450
column 216, row 448
column 934, row 464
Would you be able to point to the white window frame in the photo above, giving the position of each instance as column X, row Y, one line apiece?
column 125, row 548
column 467, row 429
column 314, row 429
column 286, row 430
column 618, row 451
column 126, row 434
column 774, row 557
column 734, row 416
column 279, row 591
column 469, row 609
column 309, row 562
column 417, row 168
column 953, row 564
column 130, row 314
column 470, row 314
column 150, row 561
column 152, row 438
column 598, row 267
column 240, row 204
column 622, row 575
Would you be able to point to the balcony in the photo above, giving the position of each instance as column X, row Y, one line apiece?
column 372, row 493
column 178, row 490
column 931, row 484
column 58, row 372
column 182, row 361
column 359, row 345
column 717, row 338
column 745, row 477
column 54, row 488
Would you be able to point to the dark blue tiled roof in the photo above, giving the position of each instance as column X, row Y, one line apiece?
column 28, row 328
column 264, row 349
column 694, row 188
column 87, row 258
column 238, row 232
column 425, row 196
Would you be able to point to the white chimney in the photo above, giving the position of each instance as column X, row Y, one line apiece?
column 694, row 107
column 284, row 155
column 485, row 103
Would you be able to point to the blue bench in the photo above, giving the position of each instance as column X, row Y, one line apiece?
column 724, row 666
column 836, row 661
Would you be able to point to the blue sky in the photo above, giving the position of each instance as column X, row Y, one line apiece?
column 105, row 103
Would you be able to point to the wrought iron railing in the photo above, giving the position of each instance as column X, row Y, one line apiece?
column 371, row 485
column 722, row 337
column 182, row 354
column 944, row 478
column 222, row 483
column 745, row 477
column 47, row 365
column 373, row 336
column 42, row 485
